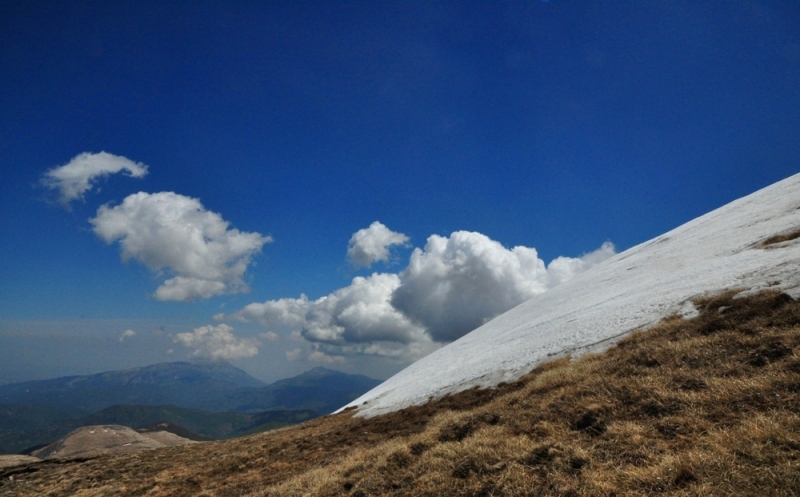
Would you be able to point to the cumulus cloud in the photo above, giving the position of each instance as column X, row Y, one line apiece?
column 421, row 346
column 450, row 287
column 327, row 353
column 457, row 283
column 79, row 175
column 287, row 311
column 562, row 268
column 126, row 334
column 372, row 244
column 170, row 232
column 217, row 342
column 360, row 312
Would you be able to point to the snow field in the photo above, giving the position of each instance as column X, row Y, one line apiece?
column 632, row 290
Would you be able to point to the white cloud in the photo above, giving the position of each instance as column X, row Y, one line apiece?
column 287, row 311
column 79, row 175
column 449, row 288
column 217, row 342
column 126, row 334
column 562, row 268
column 457, row 283
column 357, row 313
column 172, row 232
column 421, row 346
column 372, row 244
column 184, row 289
column 293, row 355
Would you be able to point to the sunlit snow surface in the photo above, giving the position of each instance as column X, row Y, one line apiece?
column 634, row 289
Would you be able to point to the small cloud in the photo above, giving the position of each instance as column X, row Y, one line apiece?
column 170, row 351
column 285, row 311
column 323, row 358
column 457, row 283
column 372, row 244
column 293, row 355
column 80, row 175
column 269, row 335
column 217, row 342
column 126, row 334
column 172, row 232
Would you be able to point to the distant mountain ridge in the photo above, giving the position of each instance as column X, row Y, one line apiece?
column 213, row 400
column 319, row 389
column 209, row 386
column 197, row 385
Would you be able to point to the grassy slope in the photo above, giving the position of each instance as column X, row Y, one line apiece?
column 706, row 406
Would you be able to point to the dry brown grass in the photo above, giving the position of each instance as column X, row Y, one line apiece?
column 781, row 238
column 702, row 406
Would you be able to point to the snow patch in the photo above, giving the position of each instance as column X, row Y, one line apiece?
column 632, row 290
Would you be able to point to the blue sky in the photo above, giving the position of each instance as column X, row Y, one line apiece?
column 555, row 126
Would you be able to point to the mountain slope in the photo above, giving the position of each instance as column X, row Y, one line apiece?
column 202, row 425
column 705, row 402
column 162, row 392
column 192, row 385
column 92, row 441
column 319, row 389
column 721, row 250
column 700, row 406
column 16, row 418
column 211, row 386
